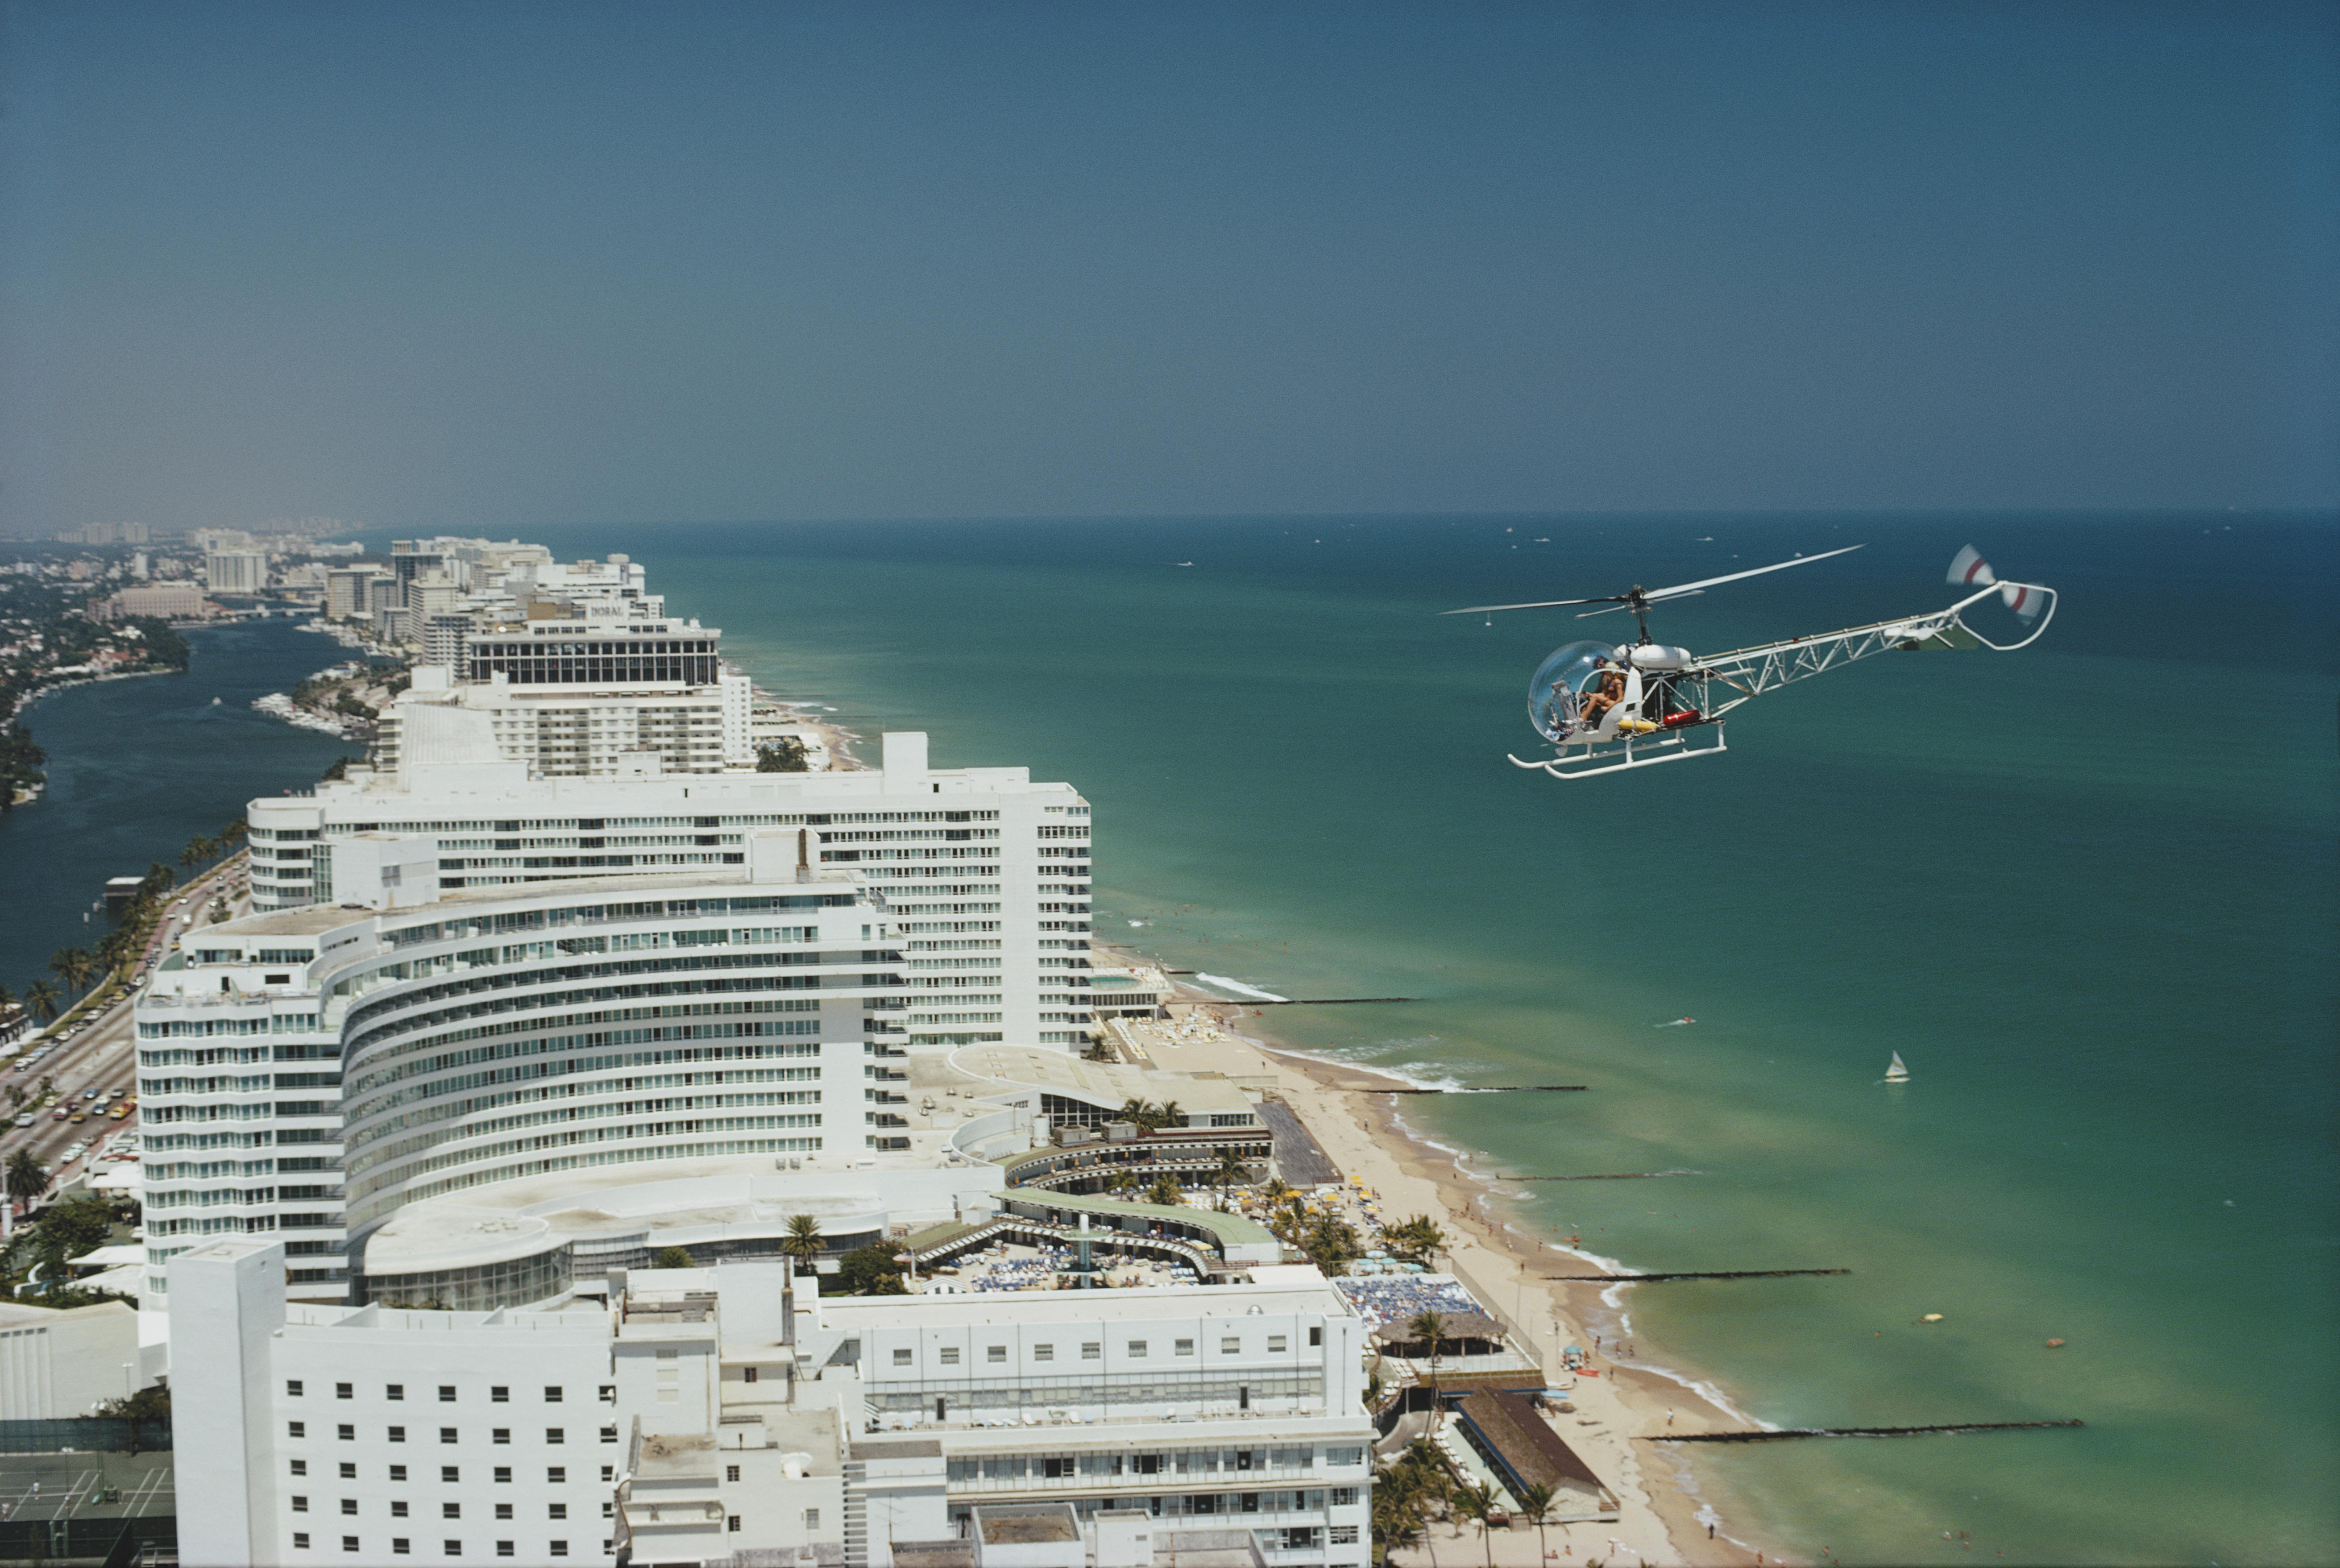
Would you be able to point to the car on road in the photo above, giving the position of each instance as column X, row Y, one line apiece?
column 78, row 1116
column 25, row 1120
column 59, row 1115
column 89, row 1094
column 118, row 1113
column 115, row 1094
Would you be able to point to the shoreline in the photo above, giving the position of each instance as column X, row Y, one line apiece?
column 1666, row 1510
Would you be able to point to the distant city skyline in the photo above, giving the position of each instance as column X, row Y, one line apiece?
column 498, row 268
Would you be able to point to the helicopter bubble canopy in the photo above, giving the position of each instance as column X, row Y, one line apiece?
column 1561, row 679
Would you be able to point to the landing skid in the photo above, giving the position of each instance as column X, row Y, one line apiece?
column 1635, row 751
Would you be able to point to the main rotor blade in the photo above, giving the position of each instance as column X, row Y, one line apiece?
column 1681, row 589
column 1540, row 604
column 1611, row 611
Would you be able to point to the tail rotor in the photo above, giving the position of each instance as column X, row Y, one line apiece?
column 1970, row 570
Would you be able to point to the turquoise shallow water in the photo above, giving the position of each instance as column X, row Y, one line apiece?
column 2089, row 891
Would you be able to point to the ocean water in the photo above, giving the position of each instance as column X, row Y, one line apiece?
column 137, row 768
column 2089, row 891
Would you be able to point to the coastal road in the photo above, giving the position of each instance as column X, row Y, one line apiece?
column 103, row 1053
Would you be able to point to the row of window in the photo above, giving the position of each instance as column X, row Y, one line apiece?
column 1093, row 1350
column 399, row 1546
column 500, row 1435
column 453, row 1474
column 398, row 1508
column 498, row 1393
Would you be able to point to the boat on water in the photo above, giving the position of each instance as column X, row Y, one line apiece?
column 1897, row 1073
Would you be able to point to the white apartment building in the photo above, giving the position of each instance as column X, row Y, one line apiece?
column 729, row 1415
column 235, row 570
column 307, row 1072
column 348, row 590
column 983, row 871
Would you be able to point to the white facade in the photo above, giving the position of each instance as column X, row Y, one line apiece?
column 235, row 570
column 574, row 731
column 703, row 1414
column 56, row 1365
column 308, row 1073
column 984, row 871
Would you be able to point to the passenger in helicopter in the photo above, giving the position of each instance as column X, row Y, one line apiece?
column 1605, row 692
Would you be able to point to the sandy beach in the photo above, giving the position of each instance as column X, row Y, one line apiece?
column 1617, row 1406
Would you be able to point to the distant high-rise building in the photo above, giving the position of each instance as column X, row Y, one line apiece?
column 241, row 572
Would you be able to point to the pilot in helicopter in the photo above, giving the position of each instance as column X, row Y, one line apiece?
column 1604, row 692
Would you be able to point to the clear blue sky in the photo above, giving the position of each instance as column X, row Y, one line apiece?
column 500, row 265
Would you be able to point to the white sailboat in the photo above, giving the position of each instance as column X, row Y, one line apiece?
column 1897, row 1073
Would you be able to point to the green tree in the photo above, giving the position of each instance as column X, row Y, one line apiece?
column 1478, row 1500
column 72, row 965
column 1431, row 1327
column 672, row 1257
column 1169, row 1115
column 871, row 1271
column 25, row 1178
column 41, row 1000
column 66, row 1231
column 786, row 755
column 1164, row 1193
column 1416, row 1238
column 1536, row 1499
column 804, row 1242
column 1230, row 1169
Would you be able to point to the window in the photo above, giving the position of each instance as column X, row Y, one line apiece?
column 349, row 1543
column 1344, row 1496
column 1136, row 1350
column 1316, row 1335
column 398, row 1547
column 609, row 1473
column 446, row 1434
column 1231, row 1346
column 398, row 1434
column 450, row 1474
column 1344, row 1535
column 609, row 1393
column 731, row 1522
column 503, row 1548
column 296, row 1429
column 292, row 1388
column 1091, row 1349
column 446, row 1394
column 349, row 1506
column 300, row 1505
column 1043, row 1353
column 901, row 1358
column 609, row 1435
column 300, row 1467
column 503, row 1474
column 394, row 1392
column 1145, row 1464
column 346, row 1391
column 1057, row 1469
column 1275, row 1344
column 1183, row 1347
column 749, row 1373
column 552, row 1392
column 812, row 1519
column 453, row 1548
column 557, row 1511
column 994, row 1352
column 499, row 1395
column 730, row 1473
column 301, row 1539
column 450, row 1511
column 560, row 1548
column 346, row 1432
column 558, row 1474
column 503, row 1509
column 1345, row 1456
column 950, row 1355
column 556, row 1435
column 500, row 1435
column 398, row 1509
column 398, row 1473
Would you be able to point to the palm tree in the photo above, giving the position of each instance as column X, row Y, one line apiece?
column 41, row 1000
column 1230, row 1171
column 72, row 965
column 1171, row 1115
column 1165, row 1192
column 1275, row 1191
column 804, row 1242
column 1429, row 1326
column 1478, row 1500
column 1535, row 1501
column 25, row 1178
column 195, row 853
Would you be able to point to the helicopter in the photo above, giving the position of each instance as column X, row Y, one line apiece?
column 1609, row 706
